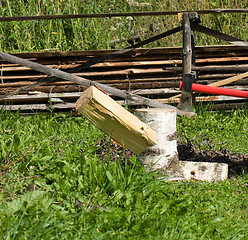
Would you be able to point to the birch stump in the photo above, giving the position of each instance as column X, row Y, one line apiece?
column 163, row 155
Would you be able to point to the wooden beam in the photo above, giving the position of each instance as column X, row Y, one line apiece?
column 114, row 120
column 222, row 36
column 185, row 103
column 125, row 14
column 87, row 83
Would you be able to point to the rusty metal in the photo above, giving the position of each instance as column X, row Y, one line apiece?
column 125, row 14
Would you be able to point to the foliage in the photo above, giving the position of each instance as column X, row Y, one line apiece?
column 97, row 33
column 54, row 186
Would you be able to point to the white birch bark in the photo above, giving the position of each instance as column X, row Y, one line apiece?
column 164, row 154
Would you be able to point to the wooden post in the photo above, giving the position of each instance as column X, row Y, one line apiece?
column 164, row 154
column 185, row 103
column 114, row 120
column 187, row 48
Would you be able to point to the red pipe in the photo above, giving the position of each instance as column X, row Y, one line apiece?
column 217, row 90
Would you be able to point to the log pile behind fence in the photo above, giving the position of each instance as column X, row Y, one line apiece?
column 153, row 72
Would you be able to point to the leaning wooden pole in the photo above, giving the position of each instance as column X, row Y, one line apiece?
column 85, row 82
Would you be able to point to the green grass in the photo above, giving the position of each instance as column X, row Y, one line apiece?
column 91, row 34
column 54, row 186
column 227, row 130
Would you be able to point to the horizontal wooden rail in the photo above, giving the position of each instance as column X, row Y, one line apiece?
column 125, row 14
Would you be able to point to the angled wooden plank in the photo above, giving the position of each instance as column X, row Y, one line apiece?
column 229, row 80
column 114, row 120
column 223, row 36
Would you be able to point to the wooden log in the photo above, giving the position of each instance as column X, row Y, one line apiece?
column 164, row 157
column 85, row 82
column 203, row 171
column 164, row 154
column 114, row 120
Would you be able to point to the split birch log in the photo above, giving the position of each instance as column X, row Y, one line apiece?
column 203, row 171
column 164, row 154
column 114, row 120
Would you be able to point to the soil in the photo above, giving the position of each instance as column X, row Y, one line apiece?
column 187, row 151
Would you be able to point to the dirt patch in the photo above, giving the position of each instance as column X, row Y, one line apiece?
column 237, row 163
column 187, row 151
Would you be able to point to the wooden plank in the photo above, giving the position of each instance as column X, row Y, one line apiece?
column 162, row 72
column 229, row 80
column 116, row 121
column 38, row 107
column 103, row 66
column 214, row 68
column 86, row 54
column 39, row 96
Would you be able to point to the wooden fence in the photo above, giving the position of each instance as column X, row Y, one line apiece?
column 149, row 72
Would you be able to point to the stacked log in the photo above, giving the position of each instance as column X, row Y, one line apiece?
column 153, row 72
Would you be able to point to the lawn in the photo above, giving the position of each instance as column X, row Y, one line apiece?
column 56, row 184
column 58, row 180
